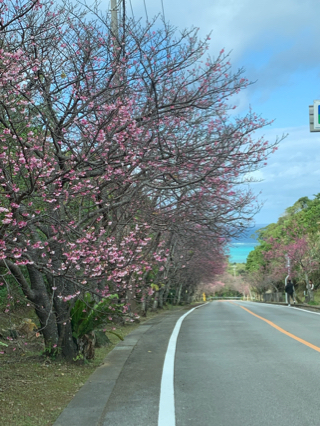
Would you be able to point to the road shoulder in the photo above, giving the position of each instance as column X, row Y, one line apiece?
column 90, row 404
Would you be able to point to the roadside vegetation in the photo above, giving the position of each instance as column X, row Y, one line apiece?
column 35, row 388
column 289, row 247
column 121, row 168
column 123, row 175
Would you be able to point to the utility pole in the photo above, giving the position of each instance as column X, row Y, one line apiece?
column 288, row 264
column 116, row 43
column 285, row 282
column 234, row 270
column 114, row 20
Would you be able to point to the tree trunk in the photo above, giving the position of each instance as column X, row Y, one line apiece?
column 166, row 293
column 178, row 299
column 155, row 301
column 44, row 309
column 144, row 304
column 54, row 316
column 161, row 293
column 308, row 297
column 130, row 301
column 130, row 297
column 67, row 344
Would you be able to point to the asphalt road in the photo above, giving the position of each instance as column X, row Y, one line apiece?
column 231, row 368
column 234, row 369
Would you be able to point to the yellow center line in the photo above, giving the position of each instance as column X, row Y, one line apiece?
column 310, row 345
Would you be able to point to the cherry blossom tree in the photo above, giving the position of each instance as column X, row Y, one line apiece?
column 117, row 154
column 303, row 253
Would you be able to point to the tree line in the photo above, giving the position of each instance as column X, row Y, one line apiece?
column 289, row 247
column 122, row 165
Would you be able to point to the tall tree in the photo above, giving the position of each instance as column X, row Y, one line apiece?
column 109, row 149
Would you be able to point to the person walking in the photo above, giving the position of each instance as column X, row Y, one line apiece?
column 289, row 289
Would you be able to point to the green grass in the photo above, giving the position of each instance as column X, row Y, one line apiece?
column 315, row 302
column 34, row 390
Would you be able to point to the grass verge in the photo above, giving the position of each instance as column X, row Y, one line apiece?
column 34, row 389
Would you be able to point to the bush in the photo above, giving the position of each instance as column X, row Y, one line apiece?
column 87, row 316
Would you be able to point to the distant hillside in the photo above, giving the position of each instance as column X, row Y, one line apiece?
column 247, row 236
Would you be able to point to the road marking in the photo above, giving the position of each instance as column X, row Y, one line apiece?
column 305, row 310
column 277, row 306
column 167, row 415
column 310, row 345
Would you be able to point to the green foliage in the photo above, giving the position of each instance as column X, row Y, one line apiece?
column 236, row 268
column 152, row 274
column 228, row 292
column 3, row 296
column 87, row 315
column 79, row 357
column 9, row 286
column 116, row 334
column 171, row 295
column 255, row 258
column 298, row 220
column 300, row 205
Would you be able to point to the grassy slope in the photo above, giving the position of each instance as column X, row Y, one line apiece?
column 34, row 390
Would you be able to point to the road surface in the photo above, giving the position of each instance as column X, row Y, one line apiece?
column 236, row 363
column 232, row 368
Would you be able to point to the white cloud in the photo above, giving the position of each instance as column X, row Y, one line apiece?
column 292, row 172
column 274, row 40
column 255, row 176
column 240, row 26
column 278, row 44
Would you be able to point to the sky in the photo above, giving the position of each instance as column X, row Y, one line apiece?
column 277, row 43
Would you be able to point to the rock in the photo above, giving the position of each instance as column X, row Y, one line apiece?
column 27, row 327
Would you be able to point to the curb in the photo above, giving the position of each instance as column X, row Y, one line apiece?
column 88, row 406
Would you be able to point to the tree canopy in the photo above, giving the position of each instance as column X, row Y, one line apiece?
column 289, row 247
column 121, row 167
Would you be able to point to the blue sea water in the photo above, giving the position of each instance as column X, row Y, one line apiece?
column 241, row 247
column 238, row 252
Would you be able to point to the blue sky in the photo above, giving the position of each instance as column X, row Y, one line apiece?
column 277, row 42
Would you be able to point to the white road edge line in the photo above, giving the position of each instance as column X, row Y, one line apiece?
column 167, row 416
column 305, row 310
column 285, row 306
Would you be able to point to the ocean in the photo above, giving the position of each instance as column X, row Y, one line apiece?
column 240, row 248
